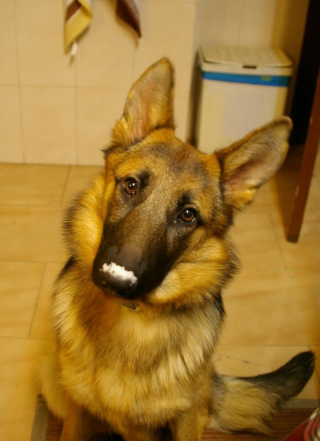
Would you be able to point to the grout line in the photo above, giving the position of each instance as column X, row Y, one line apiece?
column 105, row 88
column 37, row 299
column 6, row 337
column 76, row 125
column 306, row 345
column 278, row 242
column 5, row 204
column 63, row 86
column 242, row 360
column 62, row 262
column 266, row 268
column 20, row 204
column 316, row 369
column 65, row 186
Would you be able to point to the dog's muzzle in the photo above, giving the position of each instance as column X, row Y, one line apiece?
column 115, row 278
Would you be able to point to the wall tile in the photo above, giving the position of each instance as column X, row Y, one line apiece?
column 257, row 23
column 209, row 22
column 168, row 32
column 10, row 127
column 233, row 22
column 40, row 44
column 181, row 114
column 98, row 111
column 48, row 124
column 104, row 57
column 8, row 52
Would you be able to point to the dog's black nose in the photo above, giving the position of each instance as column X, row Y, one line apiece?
column 117, row 278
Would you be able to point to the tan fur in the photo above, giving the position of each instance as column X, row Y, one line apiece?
column 139, row 371
column 254, row 407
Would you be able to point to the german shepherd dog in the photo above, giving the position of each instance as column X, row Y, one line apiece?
column 137, row 308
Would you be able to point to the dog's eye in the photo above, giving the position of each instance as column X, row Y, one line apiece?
column 130, row 186
column 188, row 215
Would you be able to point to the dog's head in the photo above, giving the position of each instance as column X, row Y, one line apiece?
column 164, row 207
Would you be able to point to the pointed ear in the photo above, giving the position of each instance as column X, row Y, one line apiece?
column 249, row 163
column 149, row 105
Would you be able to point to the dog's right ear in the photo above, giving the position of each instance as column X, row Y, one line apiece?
column 149, row 105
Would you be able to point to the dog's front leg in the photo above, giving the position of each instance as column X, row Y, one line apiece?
column 73, row 426
column 189, row 426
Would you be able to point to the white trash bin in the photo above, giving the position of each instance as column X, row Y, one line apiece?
column 240, row 90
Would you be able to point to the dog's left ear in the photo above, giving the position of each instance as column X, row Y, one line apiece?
column 149, row 105
column 249, row 163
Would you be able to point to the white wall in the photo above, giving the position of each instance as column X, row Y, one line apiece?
column 259, row 23
column 55, row 111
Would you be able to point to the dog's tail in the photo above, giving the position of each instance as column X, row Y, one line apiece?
column 248, row 404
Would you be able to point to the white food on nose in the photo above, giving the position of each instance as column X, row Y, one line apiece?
column 119, row 272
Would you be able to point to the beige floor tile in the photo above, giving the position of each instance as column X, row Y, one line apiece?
column 317, row 164
column 256, row 241
column 41, row 325
column 312, row 211
column 316, row 350
column 305, row 253
column 31, row 233
column 265, row 200
column 248, row 361
column 78, row 179
column 32, row 184
column 19, row 289
column 277, row 195
column 273, row 307
column 19, row 388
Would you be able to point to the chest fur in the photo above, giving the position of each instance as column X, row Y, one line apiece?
column 135, row 367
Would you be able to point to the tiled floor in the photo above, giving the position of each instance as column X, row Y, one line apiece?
column 273, row 306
